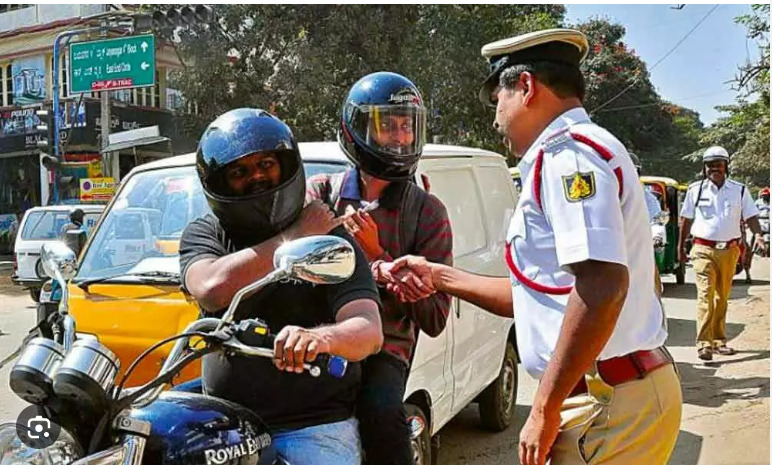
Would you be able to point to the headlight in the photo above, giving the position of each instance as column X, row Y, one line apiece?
column 14, row 452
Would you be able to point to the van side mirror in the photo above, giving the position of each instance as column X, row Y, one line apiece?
column 75, row 240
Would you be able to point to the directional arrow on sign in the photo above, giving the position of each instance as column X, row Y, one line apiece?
column 144, row 66
column 144, row 46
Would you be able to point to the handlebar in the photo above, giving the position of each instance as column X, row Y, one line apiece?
column 227, row 340
column 333, row 365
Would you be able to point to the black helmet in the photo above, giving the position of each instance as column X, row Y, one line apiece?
column 76, row 216
column 375, row 105
column 232, row 136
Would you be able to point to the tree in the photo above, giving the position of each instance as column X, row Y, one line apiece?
column 744, row 132
column 302, row 59
column 621, row 98
column 446, row 64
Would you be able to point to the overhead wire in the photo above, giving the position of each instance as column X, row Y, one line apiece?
column 636, row 79
column 652, row 104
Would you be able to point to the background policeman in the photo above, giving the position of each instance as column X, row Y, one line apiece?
column 712, row 211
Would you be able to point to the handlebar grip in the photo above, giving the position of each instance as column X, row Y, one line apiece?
column 333, row 365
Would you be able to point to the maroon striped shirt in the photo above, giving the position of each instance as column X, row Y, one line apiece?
column 433, row 240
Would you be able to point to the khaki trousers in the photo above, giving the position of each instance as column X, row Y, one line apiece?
column 633, row 423
column 715, row 270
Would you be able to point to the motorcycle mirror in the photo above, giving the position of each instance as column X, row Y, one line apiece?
column 58, row 260
column 314, row 259
column 317, row 259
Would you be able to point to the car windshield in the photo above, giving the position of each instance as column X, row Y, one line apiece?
column 47, row 224
column 140, row 233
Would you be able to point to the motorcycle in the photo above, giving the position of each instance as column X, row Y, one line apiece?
column 72, row 382
column 764, row 224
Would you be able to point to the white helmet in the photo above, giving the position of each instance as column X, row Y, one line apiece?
column 715, row 153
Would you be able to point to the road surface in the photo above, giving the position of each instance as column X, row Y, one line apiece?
column 726, row 402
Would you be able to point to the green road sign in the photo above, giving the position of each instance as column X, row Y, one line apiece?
column 112, row 64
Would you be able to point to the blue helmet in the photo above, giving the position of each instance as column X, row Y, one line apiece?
column 257, row 214
column 383, row 126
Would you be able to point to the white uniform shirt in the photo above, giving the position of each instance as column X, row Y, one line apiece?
column 717, row 213
column 652, row 203
column 571, row 226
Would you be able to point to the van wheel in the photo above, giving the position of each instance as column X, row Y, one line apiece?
column 497, row 401
column 420, row 437
column 680, row 273
column 35, row 294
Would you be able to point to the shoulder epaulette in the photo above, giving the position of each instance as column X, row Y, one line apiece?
column 557, row 138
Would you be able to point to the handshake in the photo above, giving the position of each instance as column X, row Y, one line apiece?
column 410, row 278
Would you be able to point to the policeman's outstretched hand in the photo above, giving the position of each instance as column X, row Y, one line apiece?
column 538, row 435
column 419, row 266
column 315, row 219
column 295, row 345
column 404, row 283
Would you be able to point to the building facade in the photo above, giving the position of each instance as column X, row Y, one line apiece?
column 27, row 34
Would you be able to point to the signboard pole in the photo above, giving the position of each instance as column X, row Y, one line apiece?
column 55, row 78
column 104, row 116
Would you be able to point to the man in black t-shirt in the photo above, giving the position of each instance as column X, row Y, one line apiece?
column 252, row 176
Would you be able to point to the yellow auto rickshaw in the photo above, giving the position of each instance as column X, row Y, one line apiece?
column 516, row 178
column 667, row 192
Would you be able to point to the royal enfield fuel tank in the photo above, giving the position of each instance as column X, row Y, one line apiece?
column 194, row 429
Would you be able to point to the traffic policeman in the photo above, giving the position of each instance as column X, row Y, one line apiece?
column 589, row 325
column 712, row 212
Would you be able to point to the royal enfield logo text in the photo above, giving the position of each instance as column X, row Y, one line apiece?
column 250, row 446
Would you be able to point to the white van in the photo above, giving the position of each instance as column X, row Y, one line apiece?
column 38, row 226
column 473, row 359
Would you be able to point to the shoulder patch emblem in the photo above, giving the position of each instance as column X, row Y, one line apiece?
column 579, row 186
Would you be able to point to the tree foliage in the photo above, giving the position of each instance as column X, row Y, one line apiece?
column 621, row 98
column 300, row 60
column 744, row 131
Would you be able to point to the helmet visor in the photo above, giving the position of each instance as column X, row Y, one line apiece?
column 392, row 130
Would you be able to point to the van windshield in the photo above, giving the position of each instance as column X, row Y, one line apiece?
column 140, row 234
column 44, row 225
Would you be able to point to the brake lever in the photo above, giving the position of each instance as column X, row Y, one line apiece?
column 11, row 356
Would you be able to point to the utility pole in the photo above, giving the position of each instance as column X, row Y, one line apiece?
column 104, row 116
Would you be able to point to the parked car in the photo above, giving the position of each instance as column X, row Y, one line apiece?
column 127, row 290
column 41, row 224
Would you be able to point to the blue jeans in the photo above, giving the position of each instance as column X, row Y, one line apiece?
column 330, row 444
